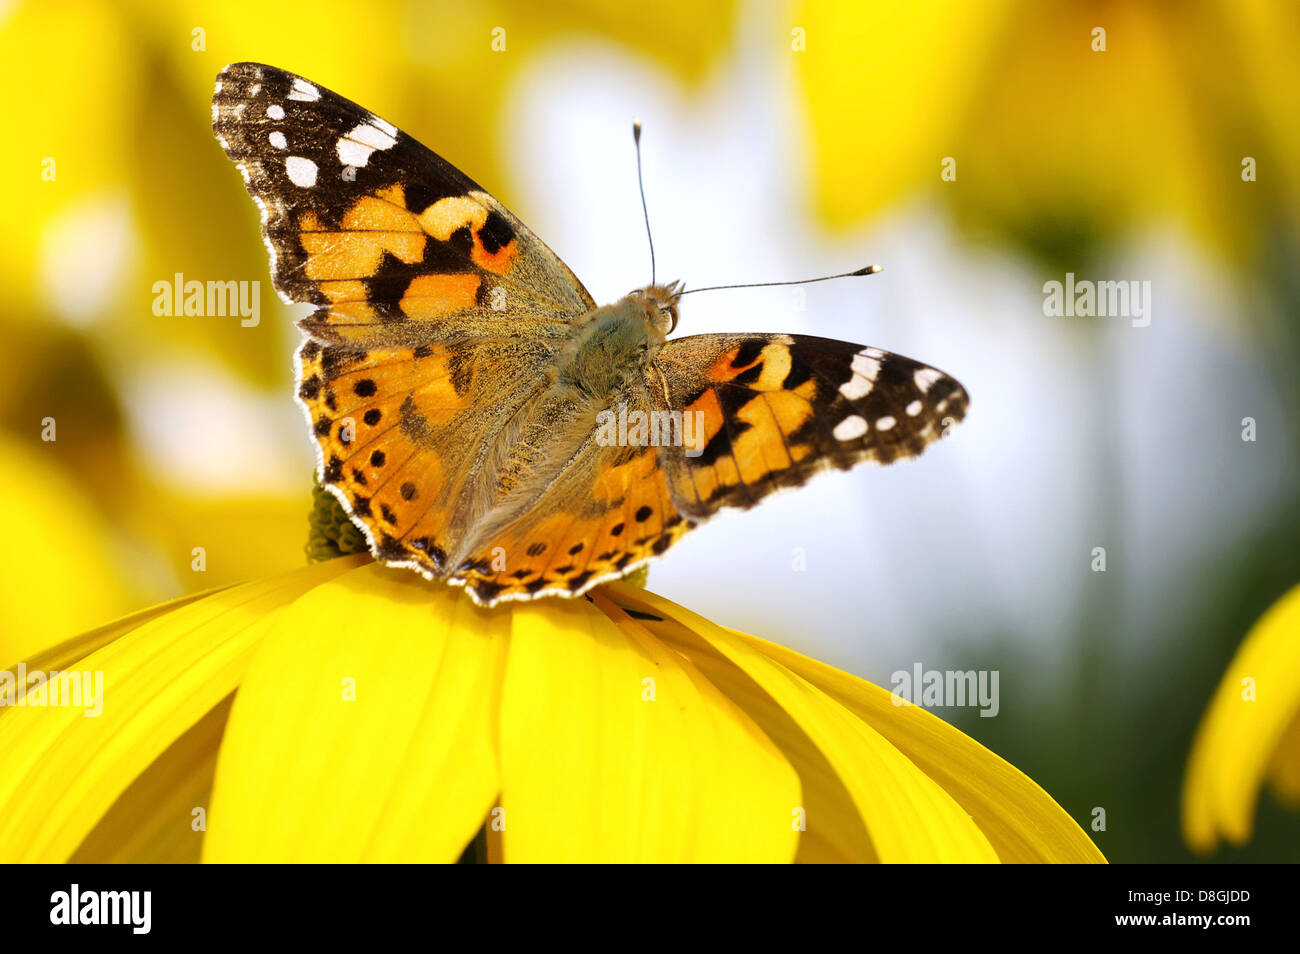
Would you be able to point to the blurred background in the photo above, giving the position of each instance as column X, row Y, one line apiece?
column 976, row 150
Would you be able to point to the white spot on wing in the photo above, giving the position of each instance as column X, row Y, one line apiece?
column 353, row 153
column 914, row 409
column 278, row 140
column 385, row 126
column 355, row 148
column 373, row 136
column 885, row 423
column 925, row 378
column 275, row 111
column 849, row 428
column 302, row 172
column 865, row 368
column 303, row 91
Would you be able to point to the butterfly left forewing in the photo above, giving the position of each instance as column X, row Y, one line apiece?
column 390, row 242
column 772, row 410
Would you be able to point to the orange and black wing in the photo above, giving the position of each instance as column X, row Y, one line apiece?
column 388, row 240
column 769, row 411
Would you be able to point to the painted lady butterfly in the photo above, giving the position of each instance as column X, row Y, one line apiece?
column 479, row 417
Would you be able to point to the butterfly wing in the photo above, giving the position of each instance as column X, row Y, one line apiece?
column 437, row 310
column 388, row 240
column 582, row 531
column 772, row 410
column 748, row 415
column 404, row 433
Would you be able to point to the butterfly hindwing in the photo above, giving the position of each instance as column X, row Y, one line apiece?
column 609, row 512
column 389, row 241
column 402, row 433
column 772, row 410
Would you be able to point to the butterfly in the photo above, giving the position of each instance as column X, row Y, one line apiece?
column 479, row 417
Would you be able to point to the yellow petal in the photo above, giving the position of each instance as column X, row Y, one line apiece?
column 908, row 816
column 161, row 818
column 73, row 650
column 832, row 828
column 615, row 749
column 1284, row 769
column 1021, row 821
column 363, row 730
column 1247, row 723
column 61, row 771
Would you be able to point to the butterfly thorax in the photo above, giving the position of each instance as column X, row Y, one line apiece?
column 611, row 346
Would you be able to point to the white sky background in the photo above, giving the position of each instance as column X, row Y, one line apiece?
column 991, row 530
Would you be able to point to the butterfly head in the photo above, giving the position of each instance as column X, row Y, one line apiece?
column 660, row 304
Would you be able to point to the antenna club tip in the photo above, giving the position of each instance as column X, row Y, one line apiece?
column 869, row 270
column 636, row 129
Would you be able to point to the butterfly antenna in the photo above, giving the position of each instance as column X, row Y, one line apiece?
column 868, row 270
column 636, row 135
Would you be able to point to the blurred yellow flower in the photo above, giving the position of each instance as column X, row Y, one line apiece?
column 1251, row 733
column 382, row 718
column 60, row 569
column 1066, row 124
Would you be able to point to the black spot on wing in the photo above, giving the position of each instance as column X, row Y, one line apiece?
column 487, row 590
column 800, row 371
column 390, row 549
column 432, row 550
column 579, row 581
column 748, row 352
column 731, row 400
column 495, row 233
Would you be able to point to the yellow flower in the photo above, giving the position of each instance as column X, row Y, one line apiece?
column 1250, row 734
column 1061, row 126
column 378, row 717
column 60, row 569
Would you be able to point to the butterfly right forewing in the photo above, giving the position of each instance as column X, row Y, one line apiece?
column 775, row 409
